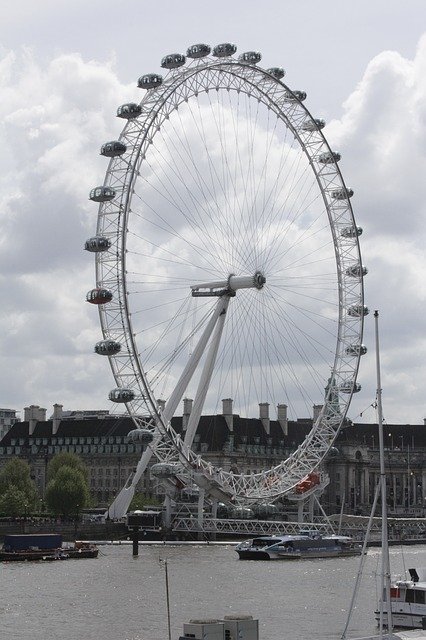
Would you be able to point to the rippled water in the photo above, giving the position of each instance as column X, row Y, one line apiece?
column 118, row 597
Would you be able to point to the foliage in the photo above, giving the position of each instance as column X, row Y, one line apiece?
column 18, row 493
column 13, row 502
column 67, row 492
column 140, row 501
column 65, row 459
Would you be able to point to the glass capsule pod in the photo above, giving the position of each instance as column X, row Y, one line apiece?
column 356, row 271
column 358, row 310
column 328, row 157
column 295, row 95
column 163, row 470
column 107, row 347
column 250, row 57
column 129, row 110
column 242, row 513
column 121, row 395
column 173, row 61
column 350, row 386
column 277, row 72
column 198, row 51
column 356, row 350
column 99, row 296
column 97, row 244
column 313, row 125
column 351, row 232
column 102, row 194
column 150, row 81
column 342, row 194
column 113, row 149
column 224, row 50
column 141, row 436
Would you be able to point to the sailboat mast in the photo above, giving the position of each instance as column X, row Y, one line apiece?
column 385, row 569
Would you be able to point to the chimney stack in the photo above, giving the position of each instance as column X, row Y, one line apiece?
column 57, row 417
column 227, row 413
column 187, row 408
column 317, row 411
column 282, row 418
column 264, row 416
column 32, row 415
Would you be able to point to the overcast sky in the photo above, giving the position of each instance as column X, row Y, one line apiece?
column 65, row 67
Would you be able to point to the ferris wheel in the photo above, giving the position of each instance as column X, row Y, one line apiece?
column 227, row 265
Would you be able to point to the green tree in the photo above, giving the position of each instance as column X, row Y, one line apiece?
column 13, row 502
column 65, row 459
column 67, row 492
column 17, row 488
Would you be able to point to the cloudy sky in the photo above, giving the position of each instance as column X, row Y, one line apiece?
column 65, row 67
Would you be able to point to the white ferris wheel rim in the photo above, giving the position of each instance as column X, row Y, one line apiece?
column 180, row 86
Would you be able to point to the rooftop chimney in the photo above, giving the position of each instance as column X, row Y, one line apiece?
column 57, row 417
column 264, row 416
column 187, row 408
column 282, row 418
column 32, row 415
column 227, row 413
column 317, row 411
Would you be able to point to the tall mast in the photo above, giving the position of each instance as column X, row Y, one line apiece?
column 385, row 569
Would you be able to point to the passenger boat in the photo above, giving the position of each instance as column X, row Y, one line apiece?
column 295, row 547
column 407, row 601
column 44, row 547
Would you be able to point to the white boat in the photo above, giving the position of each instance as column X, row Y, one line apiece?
column 295, row 547
column 407, row 601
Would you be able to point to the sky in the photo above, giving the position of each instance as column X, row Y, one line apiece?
column 64, row 69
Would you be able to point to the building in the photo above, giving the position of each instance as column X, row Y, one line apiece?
column 7, row 419
column 243, row 445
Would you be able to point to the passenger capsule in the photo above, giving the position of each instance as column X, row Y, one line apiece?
column 356, row 350
column 351, row 232
column 113, row 149
column 121, row 395
column 313, row 124
column 328, row 157
column 99, row 296
column 277, row 72
column 198, row 51
column 97, row 244
column 164, row 470
column 242, row 513
column 107, row 347
column 150, row 81
column 350, row 386
column 173, row 61
column 141, row 436
column 356, row 271
column 294, row 96
column 250, row 57
column 102, row 194
column 358, row 311
column 342, row 194
column 129, row 110
column 224, row 50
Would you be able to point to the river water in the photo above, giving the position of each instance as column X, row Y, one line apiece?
column 118, row 597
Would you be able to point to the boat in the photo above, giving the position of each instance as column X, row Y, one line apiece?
column 295, row 547
column 407, row 601
column 44, row 547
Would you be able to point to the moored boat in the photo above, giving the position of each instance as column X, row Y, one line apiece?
column 295, row 547
column 407, row 601
column 44, row 547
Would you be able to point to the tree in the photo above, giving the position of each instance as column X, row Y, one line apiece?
column 13, row 502
column 65, row 459
column 67, row 493
column 17, row 488
column 140, row 500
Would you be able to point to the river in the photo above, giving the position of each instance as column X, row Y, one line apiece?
column 118, row 597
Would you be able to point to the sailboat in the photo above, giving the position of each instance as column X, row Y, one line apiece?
column 401, row 604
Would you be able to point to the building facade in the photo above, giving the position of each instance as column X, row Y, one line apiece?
column 243, row 445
